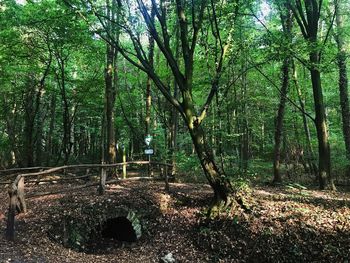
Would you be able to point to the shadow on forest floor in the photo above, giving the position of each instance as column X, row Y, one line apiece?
column 285, row 225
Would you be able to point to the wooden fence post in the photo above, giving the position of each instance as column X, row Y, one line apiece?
column 102, row 186
column 166, row 178
column 10, row 229
column 124, row 164
column 21, row 198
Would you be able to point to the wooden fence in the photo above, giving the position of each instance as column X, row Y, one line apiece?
column 17, row 201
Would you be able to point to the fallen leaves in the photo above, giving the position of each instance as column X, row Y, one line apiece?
column 286, row 225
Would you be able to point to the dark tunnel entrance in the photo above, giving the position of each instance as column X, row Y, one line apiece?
column 99, row 233
column 118, row 228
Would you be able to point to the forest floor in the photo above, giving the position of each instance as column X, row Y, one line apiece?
column 286, row 224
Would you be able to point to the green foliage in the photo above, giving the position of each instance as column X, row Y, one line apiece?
column 241, row 184
column 189, row 169
column 36, row 34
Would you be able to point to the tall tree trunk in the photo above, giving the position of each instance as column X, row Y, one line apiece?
column 32, row 107
column 61, row 80
column 66, row 116
column 39, row 139
column 149, row 80
column 324, row 164
column 310, row 153
column 174, row 122
column 148, row 90
column 10, row 109
column 111, row 79
column 287, row 23
column 148, row 107
column 279, row 121
column 308, row 18
column 148, row 84
column 49, row 144
column 244, row 139
column 103, row 137
column 110, row 93
column 343, row 77
column 220, row 151
column 29, row 131
column 174, row 115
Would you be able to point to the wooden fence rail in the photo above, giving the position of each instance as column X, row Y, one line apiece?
column 22, row 170
column 17, row 187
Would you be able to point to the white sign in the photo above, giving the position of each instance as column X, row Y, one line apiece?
column 148, row 139
column 149, row 151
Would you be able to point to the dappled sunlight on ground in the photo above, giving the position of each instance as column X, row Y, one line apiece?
column 286, row 224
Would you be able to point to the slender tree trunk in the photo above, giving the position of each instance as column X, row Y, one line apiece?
column 279, row 121
column 111, row 79
column 219, row 136
column 61, row 80
column 149, row 80
column 148, row 90
column 110, row 93
column 244, row 142
column 308, row 18
column 103, row 137
column 344, row 100
column 287, row 23
column 32, row 106
column 28, row 133
column 310, row 153
column 39, row 140
column 343, row 78
column 66, row 119
column 173, row 134
column 324, row 173
column 148, row 107
column 51, row 129
column 11, row 124
column 174, row 115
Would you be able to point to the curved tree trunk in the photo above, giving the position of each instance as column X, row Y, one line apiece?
column 220, row 184
column 189, row 30
column 216, row 179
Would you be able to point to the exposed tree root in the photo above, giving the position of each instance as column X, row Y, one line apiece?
column 234, row 202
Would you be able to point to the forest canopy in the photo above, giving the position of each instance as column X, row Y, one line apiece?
column 226, row 89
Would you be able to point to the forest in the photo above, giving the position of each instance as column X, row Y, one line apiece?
column 213, row 130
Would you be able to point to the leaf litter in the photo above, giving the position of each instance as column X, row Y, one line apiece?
column 285, row 225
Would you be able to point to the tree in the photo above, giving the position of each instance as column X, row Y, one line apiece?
column 111, row 79
column 308, row 18
column 339, row 37
column 190, row 18
column 286, row 21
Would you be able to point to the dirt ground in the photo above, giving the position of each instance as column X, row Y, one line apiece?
column 286, row 224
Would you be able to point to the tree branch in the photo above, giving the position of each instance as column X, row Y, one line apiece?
column 286, row 97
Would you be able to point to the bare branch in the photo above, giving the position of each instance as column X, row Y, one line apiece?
column 286, row 97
